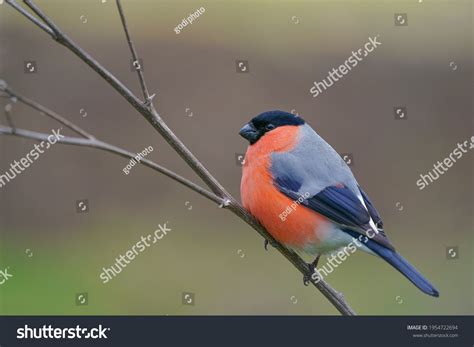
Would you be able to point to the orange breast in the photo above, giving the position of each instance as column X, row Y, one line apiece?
column 289, row 222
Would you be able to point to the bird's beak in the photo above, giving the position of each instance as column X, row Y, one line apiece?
column 249, row 132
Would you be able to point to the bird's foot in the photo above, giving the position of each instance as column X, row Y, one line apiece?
column 307, row 278
column 311, row 270
column 266, row 243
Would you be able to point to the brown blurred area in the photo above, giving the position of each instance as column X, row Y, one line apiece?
column 196, row 70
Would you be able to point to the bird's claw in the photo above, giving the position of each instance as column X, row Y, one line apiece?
column 266, row 243
column 312, row 269
column 306, row 277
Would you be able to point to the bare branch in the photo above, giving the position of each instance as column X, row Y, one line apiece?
column 94, row 143
column 152, row 116
column 141, row 77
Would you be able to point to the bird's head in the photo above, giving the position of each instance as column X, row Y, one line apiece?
column 266, row 122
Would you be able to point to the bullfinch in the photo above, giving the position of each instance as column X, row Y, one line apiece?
column 288, row 164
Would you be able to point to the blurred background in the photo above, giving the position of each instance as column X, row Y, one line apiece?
column 55, row 253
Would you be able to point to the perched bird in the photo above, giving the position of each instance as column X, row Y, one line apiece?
column 287, row 162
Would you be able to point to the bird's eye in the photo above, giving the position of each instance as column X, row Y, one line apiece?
column 269, row 127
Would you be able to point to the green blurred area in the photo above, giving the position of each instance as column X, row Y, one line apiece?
column 196, row 70
column 229, row 272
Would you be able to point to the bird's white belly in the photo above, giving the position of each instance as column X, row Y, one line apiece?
column 332, row 239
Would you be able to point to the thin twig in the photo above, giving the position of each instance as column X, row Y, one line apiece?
column 141, row 77
column 37, row 106
column 8, row 110
column 152, row 116
column 32, row 18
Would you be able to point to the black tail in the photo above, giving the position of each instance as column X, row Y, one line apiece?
column 402, row 265
column 399, row 263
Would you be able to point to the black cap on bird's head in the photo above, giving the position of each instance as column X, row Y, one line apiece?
column 267, row 121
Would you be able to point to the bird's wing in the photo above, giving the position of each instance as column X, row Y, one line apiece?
column 342, row 207
column 315, row 174
column 372, row 211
